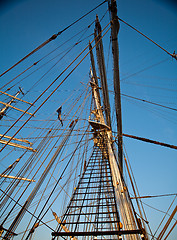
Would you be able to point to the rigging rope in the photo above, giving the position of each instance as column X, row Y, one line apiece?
column 170, row 230
column 173, row 55
column 144, row 69
column 31, row 160
column 56, row 184
column 61, row 45
column 53, row 90
column 78, row 107
column 40, row 150
column 34, row 64
column 51, row 38
column 152, row 196
column 27, row 210
column 143, row 100
column 151, row 141
column 68, row 155
column 146, row 101
column 46, row 171
column 136, row 189
column 157, row 209
column 165, row 215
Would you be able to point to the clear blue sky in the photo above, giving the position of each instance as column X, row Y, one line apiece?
column 146, row 72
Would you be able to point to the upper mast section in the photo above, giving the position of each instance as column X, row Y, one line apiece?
column 115, row 51
column 102, row 70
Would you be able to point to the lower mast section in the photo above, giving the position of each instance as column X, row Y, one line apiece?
column 100, row 207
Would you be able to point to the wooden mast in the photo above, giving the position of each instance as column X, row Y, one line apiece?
column 102, row 70
column 115, row 52
column 126, row 210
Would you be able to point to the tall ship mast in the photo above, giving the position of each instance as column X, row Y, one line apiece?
column 66, row 171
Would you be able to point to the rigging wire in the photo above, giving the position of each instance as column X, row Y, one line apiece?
column 143, row 100
column 70, row 158
column 23, row 190
column 158, row 113
column 165, row 215
column 144, row 69
column 170, row 230
column 41, row 197
column 150, row 86
column 26, row 210
column 154, row 196
column 60, row 186
column 157, row 209
column 66, row 51
column 173, row 55
column 34, row 64
column 31, row 160
column 11, row 167
column 33, row 155
column 43, row 120
column 52, row 38
column 55, row 200
column 146, row 101
column 42, row 148
column 6, row 155
column 57, row 182
column 53, row 90
column 135, row 187
column 39, row 136
column 56, row 189
column 61, row 45
column 78, row 108
column 150, row 141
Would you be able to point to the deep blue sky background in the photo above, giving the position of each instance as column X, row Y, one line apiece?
column 146, row 72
